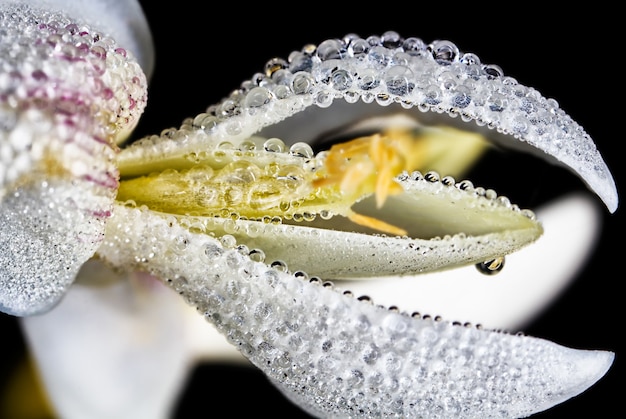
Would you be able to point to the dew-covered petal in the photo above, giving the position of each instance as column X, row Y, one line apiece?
column 529, row 281
column 122, row 20
column 68, row 93
column 338, row 356
column 321, row 89
column 115, row 346
column 447, row 226
column 47, row 231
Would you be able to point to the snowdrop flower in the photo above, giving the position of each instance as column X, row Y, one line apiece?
column 334, row 169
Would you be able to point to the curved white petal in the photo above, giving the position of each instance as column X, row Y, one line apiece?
column 532, row 278
column 337, row 356
column 325, row 88
column 116, row 346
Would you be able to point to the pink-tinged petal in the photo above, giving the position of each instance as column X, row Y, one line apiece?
column 68, row 94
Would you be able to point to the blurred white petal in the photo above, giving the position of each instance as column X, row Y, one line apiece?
column 114, row 347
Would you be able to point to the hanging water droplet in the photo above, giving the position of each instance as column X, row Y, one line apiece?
column 326, row 215
column 491, row 267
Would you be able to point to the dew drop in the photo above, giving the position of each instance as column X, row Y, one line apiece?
column 448, row 180
column 301, row 149
column 213, row 251
column 279, row 265
column 491, row 267
column 466, row 185
column 301, row 275
column 331, row 49
column 432, row 176
column 228, row 241
column 257, row 255
column 302, row 83
column 444, row 52
column 274, row 145
column 257, row 97
column 308, row 216
column 326, row 215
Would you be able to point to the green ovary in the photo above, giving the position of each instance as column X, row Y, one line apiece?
column 240, row 187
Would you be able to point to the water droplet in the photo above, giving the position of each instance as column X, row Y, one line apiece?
column 466, row 185
column 368, row 79
column 432, row 176
column 399, row 80
column 444, row 52
column 493, row 71
column 302, row 83
column 470, row 59
column 331, row 49
column 257, row 255
column 257, row 97
column 275, row 145
column 491, row 267
column 448, row 181
column 341, row 79
column 212, row 250
column 301, row 149
column 301, row 275
column 358, row 47
column 274, row 65
column 279, row 265
column 391, row 39
column 326, row 215
column 228, row 241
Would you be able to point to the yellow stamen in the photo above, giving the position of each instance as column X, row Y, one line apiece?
column 376, row 224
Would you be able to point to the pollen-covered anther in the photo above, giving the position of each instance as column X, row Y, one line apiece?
column 370, row 164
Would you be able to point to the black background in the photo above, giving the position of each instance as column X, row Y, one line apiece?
column 206, row 49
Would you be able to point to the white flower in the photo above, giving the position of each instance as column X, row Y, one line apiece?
column 238, row 212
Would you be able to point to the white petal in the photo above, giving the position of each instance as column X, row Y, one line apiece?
column 531, row 279
column 47, row 231
column 114, row 347
column 325, row 88
column 337, row 249
column 337, row 356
